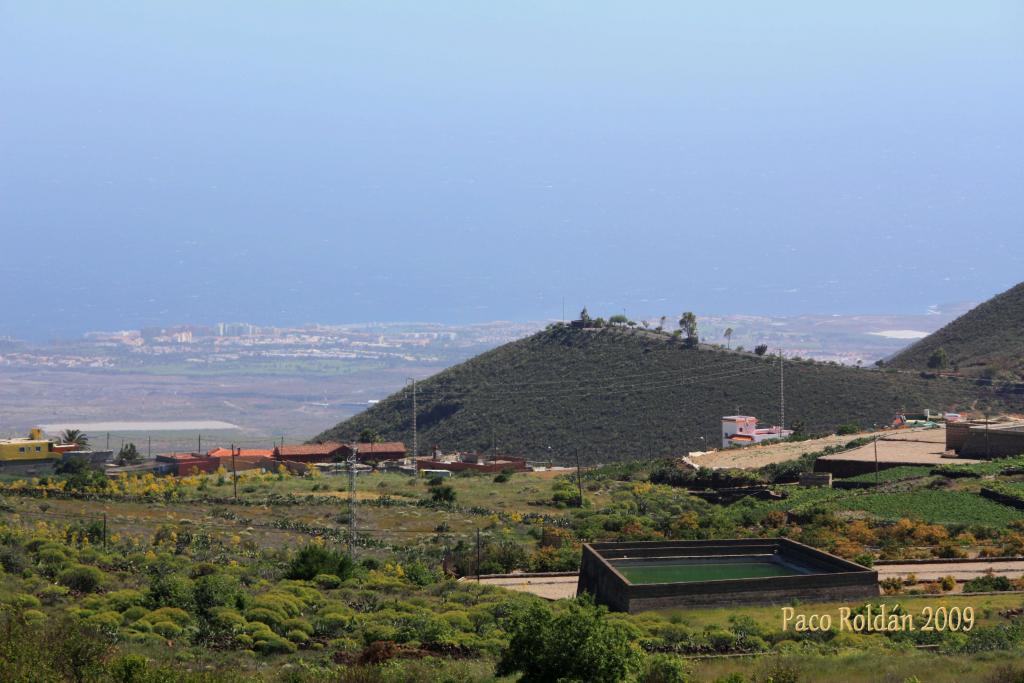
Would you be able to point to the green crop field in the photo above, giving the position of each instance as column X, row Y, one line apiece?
column 893, row 474
column 941, row 507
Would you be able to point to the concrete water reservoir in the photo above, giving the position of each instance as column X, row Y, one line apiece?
column 633, row 577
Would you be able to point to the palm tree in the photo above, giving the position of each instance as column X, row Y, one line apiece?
column 728, row 336
column 75, row 436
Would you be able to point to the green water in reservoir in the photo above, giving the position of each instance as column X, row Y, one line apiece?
column 676, row 572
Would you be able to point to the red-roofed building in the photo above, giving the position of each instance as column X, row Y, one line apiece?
column 392, row 450
column 310, row 452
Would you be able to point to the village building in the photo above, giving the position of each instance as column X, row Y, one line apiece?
column 742, row 430
column 471, row 462
column 375, row 452
column 985, row 438
column 310, row 452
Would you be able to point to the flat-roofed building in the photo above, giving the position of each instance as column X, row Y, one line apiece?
column 34, row 447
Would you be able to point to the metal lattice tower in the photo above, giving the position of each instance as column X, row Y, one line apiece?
column 782, row 394
column 351, row 461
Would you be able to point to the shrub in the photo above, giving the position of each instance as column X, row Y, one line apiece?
column 580, row 643
column 331, row 623
column 133, row 614
column 137, row 669
column 264, row 616
column 167, row 629
column 327, row 581
column 297, row 636
column 443, row 494
column 661, row 668
column 52, row 594
column 178, row 616
column 269, row 644
column 848, row 428
column 171, row 590
column 988, row 584
column 217, row 590
column 312, row 560
column 703, row 478
column 107, row 622
column 123, row 599
column 82, row 578
column 25, row 601
column 33, row 616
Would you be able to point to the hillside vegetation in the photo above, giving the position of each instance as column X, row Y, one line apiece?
column 987, row 341
column 617, row 393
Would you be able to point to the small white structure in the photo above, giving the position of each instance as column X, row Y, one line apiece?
column 742, row 430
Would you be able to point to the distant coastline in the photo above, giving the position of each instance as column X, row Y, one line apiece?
column 147, row 426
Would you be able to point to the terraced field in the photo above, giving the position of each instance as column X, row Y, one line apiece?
column 935, row 507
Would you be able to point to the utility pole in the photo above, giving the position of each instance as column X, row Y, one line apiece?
column 351, row 461
column 149, row 447
column 988, row 444
column 199, row 444
column 494, row 446
column 782, row 395
column 875, row 442
column 234, row 471
column 579, row 476
column 104, row 532
column 415, row 436
column 108, row 441
column 478, row 554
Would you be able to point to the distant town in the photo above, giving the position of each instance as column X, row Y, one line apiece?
column 240, row 343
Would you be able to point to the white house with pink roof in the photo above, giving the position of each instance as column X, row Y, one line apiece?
column 742, row 430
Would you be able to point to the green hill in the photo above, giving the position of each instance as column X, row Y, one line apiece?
column 987, row 341
column 619, row 393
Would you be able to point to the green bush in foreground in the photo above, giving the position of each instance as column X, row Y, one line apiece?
column 578, row 644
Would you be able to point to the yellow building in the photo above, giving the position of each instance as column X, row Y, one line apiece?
column 35, row 447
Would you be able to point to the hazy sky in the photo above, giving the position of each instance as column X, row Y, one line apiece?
column 287, row 162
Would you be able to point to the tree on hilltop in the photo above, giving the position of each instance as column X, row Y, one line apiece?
column 761, row 349
column 688, row 324
column 728, row 337
column 370, row 436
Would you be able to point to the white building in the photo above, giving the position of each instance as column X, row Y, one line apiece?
column 742, row 430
